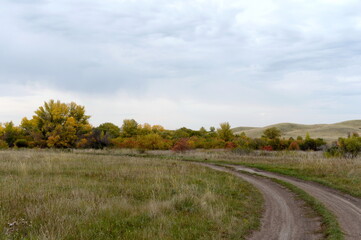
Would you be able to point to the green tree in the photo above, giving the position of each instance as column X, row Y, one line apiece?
column 272, row 133
column 157, row 128
column 311, row 144
column 224, row 132
column 3, row 144
column 10, row 133
column 144, row 129
column 202, row 132
column 183, row 133
column 129, row 128
column 350, row 147
column 109, row 129
column 32, row 133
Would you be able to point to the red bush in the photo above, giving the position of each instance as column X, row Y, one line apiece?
column 267, row 148
column 294, row 146
column 230, row 145
column 181, row 146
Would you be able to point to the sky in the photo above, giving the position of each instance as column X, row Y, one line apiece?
column 189, row 63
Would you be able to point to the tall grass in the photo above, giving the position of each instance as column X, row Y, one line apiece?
column 57, row 195
column 340, row 173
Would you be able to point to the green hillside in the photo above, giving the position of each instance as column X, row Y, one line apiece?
column 329, row 132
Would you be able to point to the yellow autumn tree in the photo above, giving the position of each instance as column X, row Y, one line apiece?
column 225, row 132
column 57, row 124
column 1, row 129
column 157, row 128
column 153, row 141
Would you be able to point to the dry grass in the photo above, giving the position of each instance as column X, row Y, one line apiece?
column 340, row 173
column 56, row 195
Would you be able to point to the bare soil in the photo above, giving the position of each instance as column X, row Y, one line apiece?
column 346, row 208
column 285, row 217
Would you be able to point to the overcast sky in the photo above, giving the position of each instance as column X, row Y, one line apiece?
column 181, row 63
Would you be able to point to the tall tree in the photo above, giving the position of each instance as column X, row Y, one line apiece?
column 109, row 129
column 59, row 124
column 129, row 128
column 272, row 133
column 224, row 132
column 10, row 133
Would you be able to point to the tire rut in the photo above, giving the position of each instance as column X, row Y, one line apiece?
column 284, row 217
column 346, row 208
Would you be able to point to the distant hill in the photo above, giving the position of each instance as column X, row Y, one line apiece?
column 329, row 132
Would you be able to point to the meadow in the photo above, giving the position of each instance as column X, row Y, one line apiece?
column 49, row 194
column 340, row 173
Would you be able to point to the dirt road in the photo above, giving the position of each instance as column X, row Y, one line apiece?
column 285, row 217
column 346, row 208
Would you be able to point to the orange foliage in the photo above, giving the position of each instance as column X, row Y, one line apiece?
column 230, row 145
column 181, row 145
column 294, row 146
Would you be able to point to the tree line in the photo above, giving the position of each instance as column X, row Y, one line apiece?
column 66, row 125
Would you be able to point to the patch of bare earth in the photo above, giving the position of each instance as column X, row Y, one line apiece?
column 285, row 217
column 346, row 208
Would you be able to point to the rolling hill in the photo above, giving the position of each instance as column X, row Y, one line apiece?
column 329, row 132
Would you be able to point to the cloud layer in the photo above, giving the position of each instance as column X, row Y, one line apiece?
column 186, row 62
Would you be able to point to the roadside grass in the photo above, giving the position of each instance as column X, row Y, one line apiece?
column 343, row 174
column 338, row 173
column 60, row 195
column 343, row 178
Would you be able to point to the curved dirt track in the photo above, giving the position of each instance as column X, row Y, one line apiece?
column 285, row 217
column 346, row 208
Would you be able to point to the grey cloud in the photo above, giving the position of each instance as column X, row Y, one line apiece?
column 178, row 48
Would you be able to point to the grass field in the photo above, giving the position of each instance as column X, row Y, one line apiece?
column 339, row 173
column 56, row 195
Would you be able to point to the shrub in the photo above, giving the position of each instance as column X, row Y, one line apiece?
column 267, row 148
column 309, row 144
column 199, row 142
column 82, row 143
column 275, row 144
column 21, row 143
column 230, row 145
column 152, row 141
column 3, row 144
column 181, row 145
column 125, row 142
column 312, row 144
column 333, row 151
column 294, row 146
column 350, row 147
column 258, row 143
